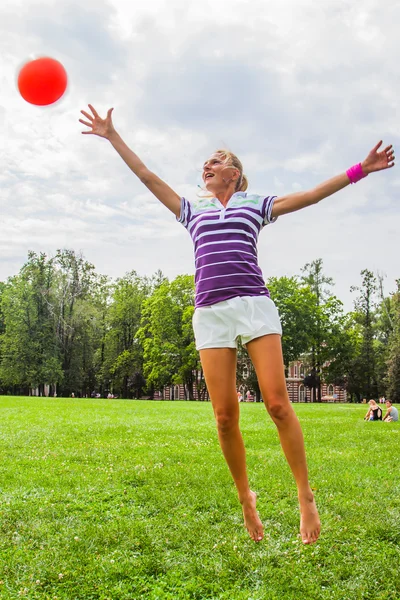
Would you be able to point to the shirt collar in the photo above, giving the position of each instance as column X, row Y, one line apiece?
column 240, row 194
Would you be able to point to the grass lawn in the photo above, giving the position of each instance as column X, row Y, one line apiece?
column 121, row 500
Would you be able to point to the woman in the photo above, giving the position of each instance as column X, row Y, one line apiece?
column 232, row 301
column 374, row 412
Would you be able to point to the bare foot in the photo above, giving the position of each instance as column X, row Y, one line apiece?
column 251, row 519
column 310, row 525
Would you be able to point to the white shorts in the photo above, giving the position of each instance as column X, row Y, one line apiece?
column 246, row 317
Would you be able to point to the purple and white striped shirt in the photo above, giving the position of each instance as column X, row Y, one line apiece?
column 225, row 245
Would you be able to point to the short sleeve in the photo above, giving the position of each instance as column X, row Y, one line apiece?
column 266, row 209
column 186, row 213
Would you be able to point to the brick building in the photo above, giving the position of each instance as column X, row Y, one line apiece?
column 298, row 392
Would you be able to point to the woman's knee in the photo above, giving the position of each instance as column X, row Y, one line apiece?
column 279, row 408
column 226, row 421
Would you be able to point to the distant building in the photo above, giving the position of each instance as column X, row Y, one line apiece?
column 297, row 391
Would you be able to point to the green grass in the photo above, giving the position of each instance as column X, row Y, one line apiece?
column 121, row 500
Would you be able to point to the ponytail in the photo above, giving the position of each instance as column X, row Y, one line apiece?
column 242, row 184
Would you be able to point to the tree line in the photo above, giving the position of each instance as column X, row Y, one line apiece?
column 65, row 326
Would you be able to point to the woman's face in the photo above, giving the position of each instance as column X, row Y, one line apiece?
column 217, row 176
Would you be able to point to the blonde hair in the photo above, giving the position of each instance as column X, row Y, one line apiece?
column 229, row 159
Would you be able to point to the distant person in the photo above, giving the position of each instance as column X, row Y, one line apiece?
column 392, row 414
column 374, row 412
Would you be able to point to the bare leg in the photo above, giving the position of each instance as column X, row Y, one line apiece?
column 219, row 366
column 266, row 355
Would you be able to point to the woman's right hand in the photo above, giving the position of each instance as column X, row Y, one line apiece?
column 98, row 126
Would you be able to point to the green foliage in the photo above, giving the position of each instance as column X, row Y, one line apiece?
column 65, row 326
column 76, row 283
column 365, row 382
column 295, row 303
column 393, row 360
column 324, row 311
column 29, row 352
column 2, row 324
column 123, row 354
column 166, row 335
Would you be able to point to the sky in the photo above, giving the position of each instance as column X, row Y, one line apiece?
column 299, row 90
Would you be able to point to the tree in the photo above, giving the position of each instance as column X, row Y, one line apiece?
column 2, row 323
column 295, row 304
column 393, row 361
column 384, row 327
column 341, row 367
column 123, row 354
column 30, row 357
column 365, row 362
column 137, row 384
column 167, row 336
column 74, row 286
column 319, row 324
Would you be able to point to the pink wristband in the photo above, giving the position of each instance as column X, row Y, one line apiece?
column 355, row 173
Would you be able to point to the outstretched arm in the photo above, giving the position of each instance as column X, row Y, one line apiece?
column 375, row 161
column 105, row 128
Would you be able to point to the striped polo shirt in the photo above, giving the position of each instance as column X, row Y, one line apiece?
column 225, row 245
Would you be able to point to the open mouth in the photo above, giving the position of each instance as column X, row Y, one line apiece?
column 208, row 176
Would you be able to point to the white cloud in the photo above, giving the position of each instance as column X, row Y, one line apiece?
column 299, row 90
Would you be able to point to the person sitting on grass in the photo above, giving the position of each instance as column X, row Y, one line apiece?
column 374, row 412
column 392, row 414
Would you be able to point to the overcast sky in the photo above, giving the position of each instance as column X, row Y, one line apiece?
column 300, row 90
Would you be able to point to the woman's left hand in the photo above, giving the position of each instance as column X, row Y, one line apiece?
column 377, row 161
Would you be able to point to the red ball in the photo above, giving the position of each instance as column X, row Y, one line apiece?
column 42, row 81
